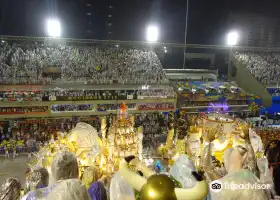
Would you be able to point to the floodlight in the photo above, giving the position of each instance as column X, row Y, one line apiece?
column 53, row 28
column 145, row 87
column 152, row 34
column 232, row 38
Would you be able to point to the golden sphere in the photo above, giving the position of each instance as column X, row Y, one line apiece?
column 158, row 187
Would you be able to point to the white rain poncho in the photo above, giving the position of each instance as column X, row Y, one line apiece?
column 256, row 141
column 64, row 166
column 71, row 189
column 233, row 157
column 86, row 139
column 120, row 189
column 39, row 178
column 243, row 177
column 182, row 170
column 10, row 189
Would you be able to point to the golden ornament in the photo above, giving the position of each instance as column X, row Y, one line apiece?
column 181, row 146
column 158, row 187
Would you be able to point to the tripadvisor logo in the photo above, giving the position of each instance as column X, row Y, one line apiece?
column 217, row 186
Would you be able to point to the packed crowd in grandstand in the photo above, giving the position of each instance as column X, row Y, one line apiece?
column 23, row 109
column 264, row 66
column 82, row 107
column 40, row 63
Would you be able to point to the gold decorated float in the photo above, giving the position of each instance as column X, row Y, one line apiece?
column 227, row 130
column 104, row 154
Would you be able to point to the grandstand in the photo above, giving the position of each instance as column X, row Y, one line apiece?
column 50, row 63
column 265, row 67
column 85, row 64
column 258, row 71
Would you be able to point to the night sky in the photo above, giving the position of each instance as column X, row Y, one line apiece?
column 129, row 17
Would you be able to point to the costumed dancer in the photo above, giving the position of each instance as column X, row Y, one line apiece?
column 7, row 148
column 19, row 146
column 29, row 153
column 14, row 148
column 235, row 162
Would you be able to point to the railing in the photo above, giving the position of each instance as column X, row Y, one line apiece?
column 191, row 70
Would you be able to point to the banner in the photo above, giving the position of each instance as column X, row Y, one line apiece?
column 151, row 97
column 114, row 107
column 11, row 99
column 156, row 106
column 22, row 113
column 83, row 98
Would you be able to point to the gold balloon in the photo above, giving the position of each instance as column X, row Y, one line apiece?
column 158, row 187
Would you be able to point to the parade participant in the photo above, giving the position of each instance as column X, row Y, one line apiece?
column 10, row 189
column 272, row 153
column 234, row 160
column 29, row 153
column 37, row 179
column 64, row 166
column 7, row 149
column 19, row 146
column 71, row 189
column 182, row 170
column 14, row 148
column 211, row 135
column 235, row 163
column 120, row 189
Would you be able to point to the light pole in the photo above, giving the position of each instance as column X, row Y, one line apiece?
column 232, row 39
column 186, row 31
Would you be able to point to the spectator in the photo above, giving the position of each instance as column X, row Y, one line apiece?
column 38, row 178
column 71, row 189
column 64, row 166
column 10, row 189
column 265, row 67
column 29, row 64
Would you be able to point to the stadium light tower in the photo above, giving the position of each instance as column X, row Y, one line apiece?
column 53, row 28
column 152, row 34
column 232, row 38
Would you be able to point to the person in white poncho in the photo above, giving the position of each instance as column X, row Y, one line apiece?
column 71, row 189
